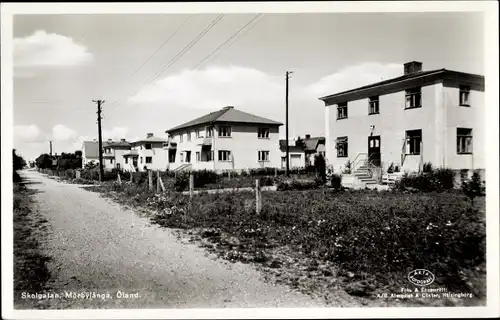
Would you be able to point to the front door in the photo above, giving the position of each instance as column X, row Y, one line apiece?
column 374, row 150
column 188, row 156
column 134, row 162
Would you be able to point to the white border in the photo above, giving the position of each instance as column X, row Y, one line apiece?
column 490, row 10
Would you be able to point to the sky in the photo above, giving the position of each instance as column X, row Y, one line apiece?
column 136, row 63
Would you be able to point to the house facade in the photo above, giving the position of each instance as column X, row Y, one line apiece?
column 113, row 154
column 146, row 154
column 296, row 155
column 302, row 152
column 227, row 139
column 423, row 116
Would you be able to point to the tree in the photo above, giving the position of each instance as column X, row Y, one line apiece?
column 44, row 161
column 18, row 163
column 300, row 142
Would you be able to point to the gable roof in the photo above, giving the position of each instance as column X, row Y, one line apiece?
column 400, row 83
column 291, row 148
column 311, row 144
column 226, row 114
column 149, row 140
column 119, row 144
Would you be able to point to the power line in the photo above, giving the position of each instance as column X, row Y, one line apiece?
column 162, row 45
column 228, row 40
column 179, row 55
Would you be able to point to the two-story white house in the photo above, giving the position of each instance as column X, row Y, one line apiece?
column 113, row 153
column 227, row 139
column 146, row 154
column 433, row 116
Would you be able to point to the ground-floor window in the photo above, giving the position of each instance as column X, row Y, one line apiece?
column 263, row 155
column 141, row 159
column 198, row 156
column 413, row 140
column 149, row 159
column 341, row 145
column 111, row 161
column 464, row 141
column 224, row 155
column 126, row 160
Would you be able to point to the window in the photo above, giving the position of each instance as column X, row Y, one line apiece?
column 210, row 132
column 464, row 96
column 373, row 105
column 413, row 140
column 224, row 131
column 210, row 156
column 413, row 98
column 189, row 136
column 148, row 146
column 263, row 155
column 342, row 110
column 197, row 156
column 141, row 159
column 126, row 160
column 341, row 147
column 181, row 137
column 224, row 155
column 181, row 155
column 198, row 135
column 149, row 159
column 464, row 141
column 171, row 157
column 263, row 133
column 111, row 161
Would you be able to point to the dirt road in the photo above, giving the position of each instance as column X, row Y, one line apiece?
column 102, row 253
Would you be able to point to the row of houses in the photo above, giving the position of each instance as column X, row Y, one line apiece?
column 423, row 116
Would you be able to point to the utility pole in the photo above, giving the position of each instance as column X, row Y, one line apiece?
column 101, row 168
column 50, row 143
column 287, row 172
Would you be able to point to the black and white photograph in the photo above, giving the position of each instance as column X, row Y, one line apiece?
column 250, row 160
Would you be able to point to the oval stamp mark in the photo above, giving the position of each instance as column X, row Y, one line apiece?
column 421, row 277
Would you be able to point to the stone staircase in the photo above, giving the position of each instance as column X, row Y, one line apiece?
column 359, row 179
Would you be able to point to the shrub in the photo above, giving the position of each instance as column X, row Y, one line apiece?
column 391, row 168
column 336, row 181
column 320, row 166
column 436, row 180
column 427, row 167
column 347, row 168
column 474, row 187
column 289, row 185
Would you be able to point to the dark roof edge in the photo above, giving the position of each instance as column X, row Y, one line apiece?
column 176, row 129
column 401, row 79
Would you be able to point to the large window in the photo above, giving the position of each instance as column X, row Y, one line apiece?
column 464, row 96
column 342, row 110
column 224, row 155
column 263, row 155
column 198, row 134
column 413, row 140
column 263, row 133
column 413, row 98
column 148, row 146
column 149, row 159
column 464, row 141
column 189, row 136
column 224, row 131
column 181, row 137
column 126, row 160
column 341, row 145
column 373, row 105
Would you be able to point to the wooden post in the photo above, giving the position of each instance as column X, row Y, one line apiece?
column 131, row 177
column 258, row 199
column 119, row 179
column 150, row 180
column 191, row 185
column 78, row 174
column 229, row 174
column 158, row 187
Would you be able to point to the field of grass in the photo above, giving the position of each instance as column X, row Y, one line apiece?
column 30, row 263
column 364, row 242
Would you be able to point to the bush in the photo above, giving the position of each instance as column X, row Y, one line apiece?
column 474, row 187
column 435, row 180
column 336, row 181
column 427, row 167
column 289, row 185
column 320, row 166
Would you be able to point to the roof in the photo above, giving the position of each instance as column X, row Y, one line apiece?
column 227, row 114
column 400, row 82
column 150, row 139
column 291, row 148
column 312, row 143
column 119, row 144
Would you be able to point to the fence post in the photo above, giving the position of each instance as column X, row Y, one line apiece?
column 78, row 172
column 229, row 174
column 275, row 172
column 158, row 187
column 150, row 180
column 161, row 183
column 119, row 179
column 131, row 177
column 258, row 198
column 191, row 185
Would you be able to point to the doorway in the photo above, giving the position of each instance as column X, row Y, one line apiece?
column 374, row 150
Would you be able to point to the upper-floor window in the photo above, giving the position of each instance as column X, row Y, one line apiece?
column 224, row 155
column 413, row 140
column 149, row 159
column 181, row 137
column 263, row 155
column 464, row 96
column 198, row 156
column 189, row 136
column 224, row 131
column 198, row 134
column 373, row 105
column 342, row 110
column 464, row 141
column 210, row 132
column 263, row 133
column 148, row 146
column 341, row 145
column 413, row 98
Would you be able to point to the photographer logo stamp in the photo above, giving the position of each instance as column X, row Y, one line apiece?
column 421, row 277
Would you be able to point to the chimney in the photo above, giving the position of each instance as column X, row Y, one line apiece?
column 110, row 140
column 149, row 135
column 228, row 107
column 95, row 140
column 308, row 136
column 412, row 67
column 122, row 140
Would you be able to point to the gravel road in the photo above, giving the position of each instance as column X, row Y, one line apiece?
column 98, row 247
